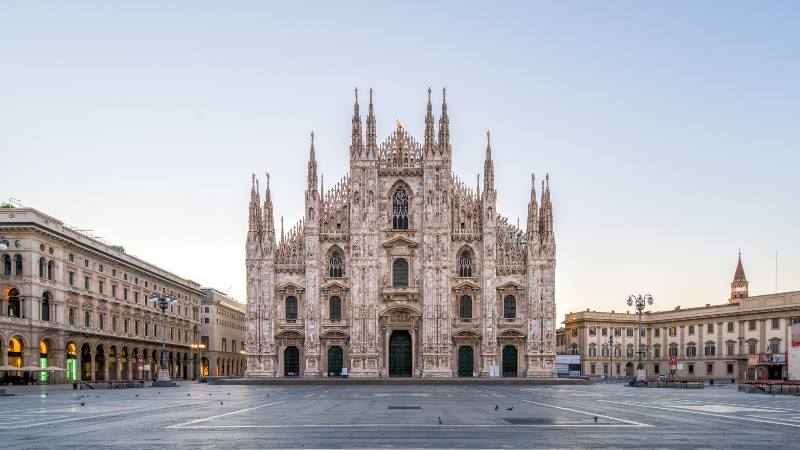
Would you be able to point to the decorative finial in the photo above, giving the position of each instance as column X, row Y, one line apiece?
column 429, row 94
column 399, row 127
column 267, row 179
column 356, row 94
column 312, row 139
column 444, row 94
column 370, row 96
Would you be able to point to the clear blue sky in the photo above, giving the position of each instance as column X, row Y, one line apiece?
column 670, row 129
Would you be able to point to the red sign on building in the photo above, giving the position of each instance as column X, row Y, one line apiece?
column 673, row 363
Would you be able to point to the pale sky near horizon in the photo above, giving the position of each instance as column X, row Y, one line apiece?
column 670, row 129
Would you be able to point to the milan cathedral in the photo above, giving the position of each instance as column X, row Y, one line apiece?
column 401, row 269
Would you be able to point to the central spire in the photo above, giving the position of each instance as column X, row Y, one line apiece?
column 357, row 144
column 430, row 138
column 312, row 167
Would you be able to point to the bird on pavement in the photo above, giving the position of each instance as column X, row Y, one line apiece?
column 509, row 409
column 440, row 420
column 496, row 407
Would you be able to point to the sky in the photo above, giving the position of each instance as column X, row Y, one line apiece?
column 670, row 129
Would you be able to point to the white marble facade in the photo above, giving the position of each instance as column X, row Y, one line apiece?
column 401, row 269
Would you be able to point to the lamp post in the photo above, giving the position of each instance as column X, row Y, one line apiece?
column 640, row 301
column 741, row 357
column 164, row 379
column 612, row 346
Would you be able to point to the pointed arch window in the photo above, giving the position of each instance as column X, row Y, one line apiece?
column 291, row 308
column 18, row 263
column 6, row 265
column 465, row 264
column 400, row 273
column 400, row 209
column 336, row 264
column 46, row 306
column 336, row 308
column 465, row 307
column 510, row 307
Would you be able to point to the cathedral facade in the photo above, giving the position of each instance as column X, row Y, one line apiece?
column 401, row 269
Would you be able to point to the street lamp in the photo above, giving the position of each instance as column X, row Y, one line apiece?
column 640, row 302
column 162, row 301
column 741, row 357
column 612, row 346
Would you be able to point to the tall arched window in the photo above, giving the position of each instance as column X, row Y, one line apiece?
column 336, row 308
column 50, row 269
column 291, row 308
column 400, row 273
column 46, row 306
column 18, row 263
column 6, row 265
column 335, row 264
column 400, row 209
column 465, row 264
column 510, row 307
column 14, row 309
column 465, row 307
column 42, row 267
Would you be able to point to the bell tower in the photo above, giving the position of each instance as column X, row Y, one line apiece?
column 739, row 286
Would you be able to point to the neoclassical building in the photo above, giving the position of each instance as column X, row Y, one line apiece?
column 401, row 269
column 70, row 301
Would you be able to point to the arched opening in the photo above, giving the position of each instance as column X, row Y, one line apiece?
column 291, row 308
column 400, row 209
column 203, row 366
column 335, row 263
column 18, row 263
column 465, row 263
column 6, row 265
column 46, row 306
column 465, row 307
column 400, row 354
column 14, row 307
column 335, row 361
column 510, row 307
column 509, row 361
column 99, row 364
column 134, row 364
column 86, row 362
column 15, row 352
column 400, row 273
column 113, row 363
column 629, row 370
column 291, row 361
column 42, row 268
column 50, row 270
column 336, row 308
column 124, row 364
column 466, row 366
column 71, row 353
column 43, row 360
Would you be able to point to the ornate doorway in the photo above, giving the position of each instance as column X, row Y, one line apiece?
column 509, row 361
column 465, row 363
column 291, row 362
column 335, row 361
column 400, row 353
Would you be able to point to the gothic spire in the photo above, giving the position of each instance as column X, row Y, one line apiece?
column 533, row 213
column 546, row 210
column 267, row 216
column 444, row 126
column 739, row 274
column 254, row 221
column 312, row 167
column 488, row 166
column 739, row 286
column 357, row 143
column 372, row 144
column 430, row 137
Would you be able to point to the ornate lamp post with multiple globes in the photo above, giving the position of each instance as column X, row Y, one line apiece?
column 640, row 302
column 164, row 379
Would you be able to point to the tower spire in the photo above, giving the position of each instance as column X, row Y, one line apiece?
column 444, row 127
column 546, row 210
column 372, row 145
column 254, row 221
column 267, row 214
column 533, row 212
column 430, row 138
column 312, row 167
column 488, row 166
column 739, row 286
column 357, row 144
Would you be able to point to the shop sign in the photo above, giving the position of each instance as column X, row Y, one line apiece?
column 140, row 364
column 752, row 360
column 779, row 358
column 673, row 363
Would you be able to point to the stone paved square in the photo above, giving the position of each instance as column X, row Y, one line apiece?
column 406, row 416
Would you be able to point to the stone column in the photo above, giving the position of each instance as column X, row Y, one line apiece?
column 94, row 366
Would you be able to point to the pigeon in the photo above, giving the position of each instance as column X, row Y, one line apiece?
column 220, row 403
column 230, row 393
column 440, row 420
column 188, row 394
column 83, row 404
column 496, row 407
column 509, row 409
column 209, row 394
column 137, row 395
column 595, row 419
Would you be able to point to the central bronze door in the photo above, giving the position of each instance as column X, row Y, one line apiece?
column 509, row 361
column 291, row 362
column 465, row 363
column 400, row 354
column 335, row 361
